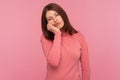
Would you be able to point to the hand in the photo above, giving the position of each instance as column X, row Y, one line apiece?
column 51, row 28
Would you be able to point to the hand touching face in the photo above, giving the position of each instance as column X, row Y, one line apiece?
column 55, row 19
column 51, row 28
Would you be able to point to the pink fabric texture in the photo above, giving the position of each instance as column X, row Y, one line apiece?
column 63, row 55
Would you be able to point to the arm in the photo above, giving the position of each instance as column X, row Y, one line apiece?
column 84, row 60
column 52, row 50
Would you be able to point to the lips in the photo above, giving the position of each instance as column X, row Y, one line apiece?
column 56, row 24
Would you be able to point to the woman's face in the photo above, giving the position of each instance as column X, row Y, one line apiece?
column 55, row 19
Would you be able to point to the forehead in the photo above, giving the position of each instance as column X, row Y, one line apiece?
column 50, row 13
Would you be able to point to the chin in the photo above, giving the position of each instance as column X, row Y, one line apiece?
column 60, row 27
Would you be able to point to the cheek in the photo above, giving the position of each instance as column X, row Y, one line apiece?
column 62, row 21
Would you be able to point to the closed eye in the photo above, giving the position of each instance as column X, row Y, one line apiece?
column 49, row 19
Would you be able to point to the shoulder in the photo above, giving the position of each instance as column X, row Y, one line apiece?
column 42, row 38
column 78, row 35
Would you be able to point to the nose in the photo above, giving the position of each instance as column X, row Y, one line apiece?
column 55, row 19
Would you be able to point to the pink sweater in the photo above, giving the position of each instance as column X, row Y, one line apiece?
column 63, row 56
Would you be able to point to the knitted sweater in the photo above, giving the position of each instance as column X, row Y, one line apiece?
column 63, row 55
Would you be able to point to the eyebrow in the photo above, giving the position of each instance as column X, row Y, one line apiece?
column 53, row 13
column 48, row 17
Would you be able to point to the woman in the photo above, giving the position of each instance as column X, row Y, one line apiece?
column 63, row 46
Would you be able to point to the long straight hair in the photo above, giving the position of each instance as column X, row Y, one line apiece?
column 67, row 28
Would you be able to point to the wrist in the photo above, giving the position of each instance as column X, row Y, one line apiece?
column 57, row 31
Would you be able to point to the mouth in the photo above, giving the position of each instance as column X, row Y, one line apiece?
column 57, row 24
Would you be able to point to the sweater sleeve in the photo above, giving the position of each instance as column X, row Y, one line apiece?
column 52, row 50
column 84, row 59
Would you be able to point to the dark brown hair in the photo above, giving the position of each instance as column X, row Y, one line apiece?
column 67, row 28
